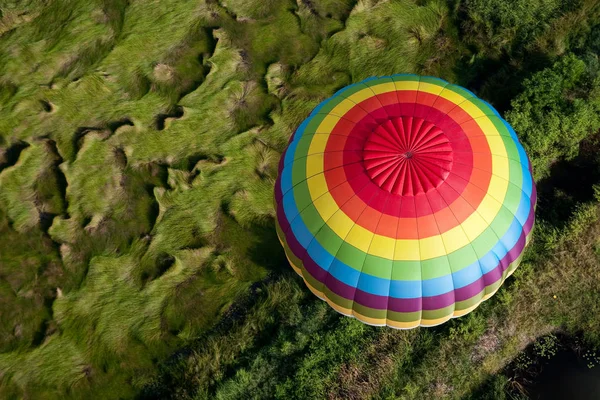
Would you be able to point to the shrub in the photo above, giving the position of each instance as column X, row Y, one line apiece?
column 557, row 108
column 502, row 24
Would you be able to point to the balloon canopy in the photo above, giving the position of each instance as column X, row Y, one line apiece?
column 404, row 201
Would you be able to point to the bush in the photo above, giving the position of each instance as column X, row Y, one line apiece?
column 501, row 24
column 557, row 108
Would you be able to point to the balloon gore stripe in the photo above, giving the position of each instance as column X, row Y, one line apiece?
column 404, row 201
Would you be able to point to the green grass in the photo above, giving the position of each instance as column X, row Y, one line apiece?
column 139, row 143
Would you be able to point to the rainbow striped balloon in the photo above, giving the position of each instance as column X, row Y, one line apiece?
column 404, row 201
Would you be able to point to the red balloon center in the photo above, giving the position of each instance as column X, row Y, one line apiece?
column 407, row 156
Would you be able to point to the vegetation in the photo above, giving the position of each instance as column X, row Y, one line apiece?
column 139, row 143
column 556, row 110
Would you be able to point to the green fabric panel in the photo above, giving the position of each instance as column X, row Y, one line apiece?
column 314, row 123
column 369, row 312
column 303, row 147
column 316, row 284
column 511, row 148
column 326, row 235
column 293, row 258
column 513, row 265
column 351, row 256
column 439, row 313
column 516, row 173
column 299, row 173
column 312, row 219
column 377, row 266
column 484, row 242
column 405, row 77
column 462, row 258
column 513, row 198
column 464, row 304
column 502, row 221
column 434, row 81
column 339, row 300
column 379, row 81
column 434, row 268
column 482, row 106
column 493, row 287
column 302, row 198
column 406, row 270
column 404, row 316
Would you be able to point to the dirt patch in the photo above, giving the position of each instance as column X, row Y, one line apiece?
column 162, row 120
column 10, row 155
column 163, row 72
column 114, row 125
column 47, row 106
column 487, row 343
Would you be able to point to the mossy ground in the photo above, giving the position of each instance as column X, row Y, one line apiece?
column 139, row 142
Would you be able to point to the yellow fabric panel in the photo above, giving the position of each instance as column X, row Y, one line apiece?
column 361, row 95
column 489, row 210
column 500, row 165
column 327, row 125
column 402, row 325
column 341, row 224
column 315, row 291
column 402, row 85
column 338, row 308
column 472, row 110
column 454, row 239
column 496, row 144
column 384, row 88
column 498, row 187
column 326, row 207
column 408, row 248
column 368, row 320
column 434, row 322
column 319, row 141
column 474, row 226
column 318, row 144
column 460, row 313
column 434, row 245
column 314, row 164
column 489, row 128
column 383, row 245
column 343, row 107
column 360, row 238
column 317, row 186
column 430, row 88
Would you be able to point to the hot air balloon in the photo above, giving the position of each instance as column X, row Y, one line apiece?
column 404, row 201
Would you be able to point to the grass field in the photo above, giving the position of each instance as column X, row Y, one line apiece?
column 139, row 142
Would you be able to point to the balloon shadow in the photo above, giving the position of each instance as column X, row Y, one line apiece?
column 570, row 183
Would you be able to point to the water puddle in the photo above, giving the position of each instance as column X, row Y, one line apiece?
column 555, row 368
